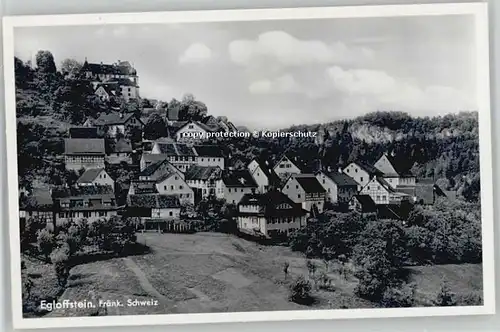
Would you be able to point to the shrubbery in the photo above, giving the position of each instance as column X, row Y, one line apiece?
column 300, row 291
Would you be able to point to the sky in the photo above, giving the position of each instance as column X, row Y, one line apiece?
column 274, row 74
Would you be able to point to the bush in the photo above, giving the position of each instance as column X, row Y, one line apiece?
column 324, row 281
column 445, row 297
column 399, row 297
column 469, row 299
column 60, row 259
column 46, row 242
column 300, row 291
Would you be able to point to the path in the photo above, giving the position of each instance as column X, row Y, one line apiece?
column 147, row 286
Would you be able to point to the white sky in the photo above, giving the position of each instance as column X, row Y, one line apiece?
column 279, row 73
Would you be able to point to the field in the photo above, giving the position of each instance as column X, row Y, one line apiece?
column 210, row 272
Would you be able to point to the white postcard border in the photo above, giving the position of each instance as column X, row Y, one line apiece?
column 479, row 10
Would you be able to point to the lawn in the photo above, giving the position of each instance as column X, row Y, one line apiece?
column 210, row 272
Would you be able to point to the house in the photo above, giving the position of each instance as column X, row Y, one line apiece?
column 306, row 189
column 361, row 172
column 116, row 123
column 151, row 207
column 362, row 204
column 193, row 131
column 382, row 193
column 150, row 158
column 210, row 121
column 83, row 132
column 84, row 153
column 95, row 177
column 286, row 166
column 271, row 214
column 235, row 184
column 180, row 155
column 84, row 202
column 120, row 151
column 105, row 92
column 264, row 175
column 395, row 171
column 339, row 186
column 209, row 156
column 120, row 74
column 167, row 179
column 203, row 180
column 38, row 205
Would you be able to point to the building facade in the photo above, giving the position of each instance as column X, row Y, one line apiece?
column 272, row 214
column 95, row 177
column 286, row 167
column 306, row 190
column 84, row 153
column 340, row 188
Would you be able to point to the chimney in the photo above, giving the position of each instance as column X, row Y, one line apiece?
column 329, row 168
column 121, row 115
column 340, row 170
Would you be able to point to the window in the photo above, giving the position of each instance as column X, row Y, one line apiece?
column 378, row 187
column 355, row 170
column 61, row 214
column 287, row 187
column 368, row 187
column 328, row 190
column 229, row 189
column 180, row 195
column 361, row 179
column 378, row 197
column 103, row 213
column 172, row 187
column 181, row 187
column 170, row 213
column 384, row 198
column 190, row 126
column 86, row 214
column 176, row 177
column 202, row 159
column 296, row 186
column 298, row 195
column 241, row 189
column 164, row 187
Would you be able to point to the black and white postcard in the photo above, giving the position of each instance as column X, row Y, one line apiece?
column 249, row 165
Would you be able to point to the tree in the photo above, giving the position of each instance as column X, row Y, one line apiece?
column 155, row 127
column 286, row 266
column 311, row 267
column 379, row 258
column 60, row 260
column 71, row 67
column 46, row 243
column 45, row 62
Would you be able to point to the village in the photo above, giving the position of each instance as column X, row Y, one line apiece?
column 176, row 172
